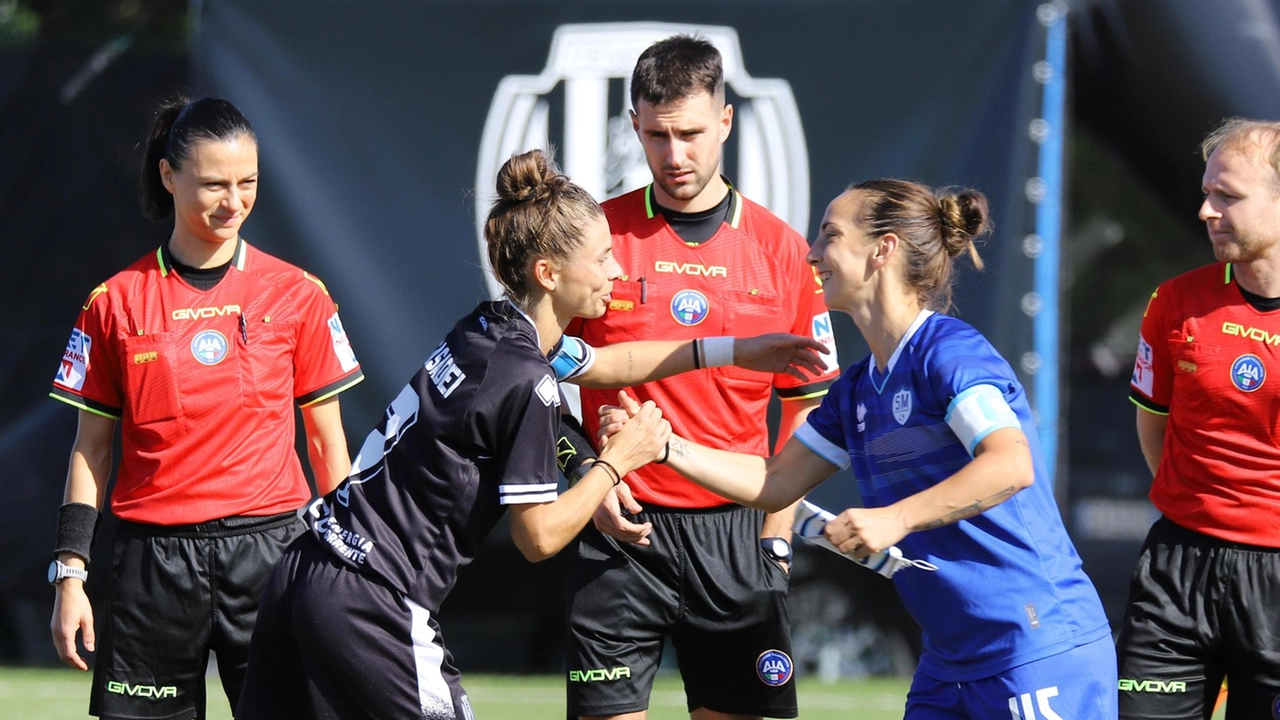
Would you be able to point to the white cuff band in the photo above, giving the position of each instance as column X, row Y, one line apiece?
column 717, row 351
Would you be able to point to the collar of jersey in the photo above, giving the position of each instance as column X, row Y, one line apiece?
column 735, row 204
column 893, row 359
column 237, row 260
column 537, row 338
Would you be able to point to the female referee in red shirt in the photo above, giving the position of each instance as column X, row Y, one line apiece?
column 199, row 351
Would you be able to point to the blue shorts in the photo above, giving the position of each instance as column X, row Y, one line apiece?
column 1079, row 683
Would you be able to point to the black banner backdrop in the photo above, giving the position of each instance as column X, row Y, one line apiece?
column 374, row 118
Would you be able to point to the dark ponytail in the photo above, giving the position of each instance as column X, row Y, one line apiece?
column 179, row 124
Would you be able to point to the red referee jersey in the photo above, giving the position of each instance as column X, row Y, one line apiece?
column 1206, row 358
column 204, row 383
column 750, row 278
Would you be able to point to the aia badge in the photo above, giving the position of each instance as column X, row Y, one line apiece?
column 690, row 307
column 774, row 668
column 1248, row 373
column 902, row 406
column 209, row 347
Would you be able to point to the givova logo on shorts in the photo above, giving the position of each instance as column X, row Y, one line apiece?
column 587, row 66
column 144, row 691
column 600, row 674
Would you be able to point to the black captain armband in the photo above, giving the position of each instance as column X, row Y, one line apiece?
column 574, row 453
column 76, row 525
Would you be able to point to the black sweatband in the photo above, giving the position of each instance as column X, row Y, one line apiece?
column 697, row 361
column 76, row 525
column 573, row 450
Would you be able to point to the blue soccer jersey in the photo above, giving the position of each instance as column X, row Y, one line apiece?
column 1009, row 587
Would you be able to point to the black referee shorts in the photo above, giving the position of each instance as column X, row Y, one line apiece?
column 174, row 594
column 704, row 582
column 332, row 644
column 1200, row 609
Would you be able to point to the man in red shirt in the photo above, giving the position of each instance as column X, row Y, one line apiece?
column 699, row 260
column 1202, row 600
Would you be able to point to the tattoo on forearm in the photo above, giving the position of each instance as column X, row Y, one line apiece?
column 968, row 511
column 631, row 366
column 679, row 448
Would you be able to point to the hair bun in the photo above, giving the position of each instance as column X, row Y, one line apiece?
column 965, row 217
column 529, row 177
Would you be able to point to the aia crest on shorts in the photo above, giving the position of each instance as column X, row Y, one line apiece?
column 774, row 668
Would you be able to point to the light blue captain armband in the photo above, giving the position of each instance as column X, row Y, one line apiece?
column 977, row 412
column 574, row 358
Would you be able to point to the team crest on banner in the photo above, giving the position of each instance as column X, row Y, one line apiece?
column 588, row 71
column 902, row 406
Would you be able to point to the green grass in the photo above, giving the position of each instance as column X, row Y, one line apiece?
column 63, row 694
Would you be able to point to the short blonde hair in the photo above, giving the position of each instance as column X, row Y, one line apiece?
column 1260, row 138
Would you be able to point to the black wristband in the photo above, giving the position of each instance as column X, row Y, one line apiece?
column 666, row 453
column 697, row 361
column 76, row 525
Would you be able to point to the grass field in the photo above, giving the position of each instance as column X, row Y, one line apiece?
column 62, row 694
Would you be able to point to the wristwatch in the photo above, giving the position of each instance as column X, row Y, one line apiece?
column 777, row 548
column 59, row 571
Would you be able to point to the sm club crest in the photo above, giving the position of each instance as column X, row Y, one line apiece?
column 586, row 82
column 902, row 406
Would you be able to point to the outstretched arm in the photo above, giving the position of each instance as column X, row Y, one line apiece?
column 770, row 484
column 631, row 363
column 1001, row 468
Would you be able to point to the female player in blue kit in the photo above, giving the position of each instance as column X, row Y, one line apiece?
column 940, row 438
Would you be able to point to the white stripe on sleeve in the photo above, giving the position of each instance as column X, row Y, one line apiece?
column 821, row 446
column 520, row 494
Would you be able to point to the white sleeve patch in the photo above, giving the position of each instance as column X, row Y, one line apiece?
column 977, row 412
column 823, row 333
column 821, row 446
column 517, row 494
column 75, row 361
column 573, row 358
column 1144, row 378
column 548, row 391
column 341, row 345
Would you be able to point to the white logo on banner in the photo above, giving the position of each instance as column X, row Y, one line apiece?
column 602, row 153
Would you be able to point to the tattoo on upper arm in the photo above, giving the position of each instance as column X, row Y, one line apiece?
column 968, row 511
